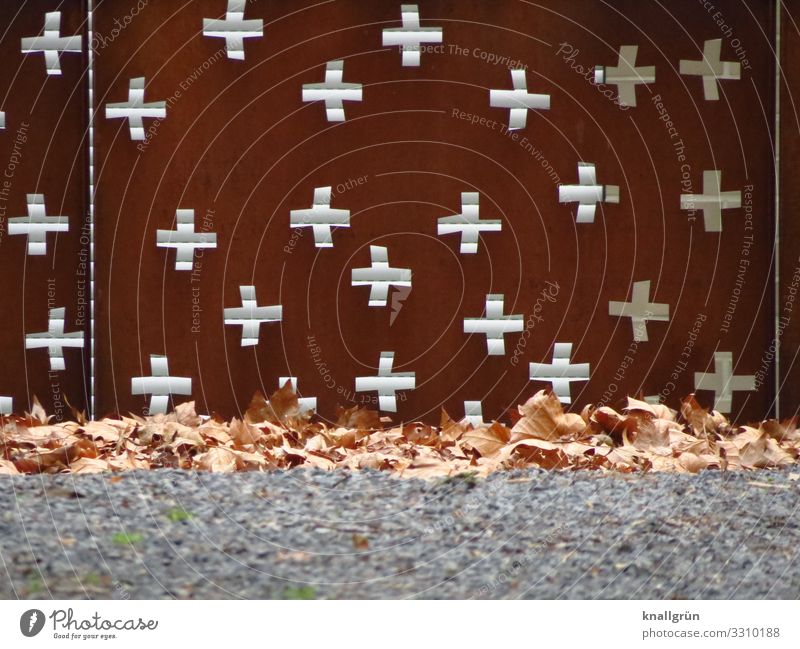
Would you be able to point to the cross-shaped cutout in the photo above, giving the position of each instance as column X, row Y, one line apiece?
column 473, row 413
column 160, row 386
column 37, row 224
column 52, row 43
column 587, row 193
column 304, row 404
column 321, row 218
column 411, row 36
column 6, row 405
column 712, row 201
column 185, row 240
column 519, row 100
column 712, row 69
column 494, row 324
column 386, row 383
column 625, row 75
column 234, row 29
column 560, row 373
column 380, row 276
column 723, row 382
column 468, row 223
column 135, row 109
column 333, row 91
column 54, row 339
column 250, row 316
column 640, row 310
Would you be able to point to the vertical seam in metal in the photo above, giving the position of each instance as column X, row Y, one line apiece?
column 90, row 73
column 777, row 377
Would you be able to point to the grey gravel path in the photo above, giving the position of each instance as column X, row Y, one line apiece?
column 304, row 534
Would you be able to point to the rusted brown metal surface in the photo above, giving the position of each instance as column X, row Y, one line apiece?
column 241, row 148
column 43, row 152
column 787, row 339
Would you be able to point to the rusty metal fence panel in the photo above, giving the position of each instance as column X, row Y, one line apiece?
column 603, row 266
column 44, row 219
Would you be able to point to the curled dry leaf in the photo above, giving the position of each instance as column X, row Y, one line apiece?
column 243, row 433
column 541, row 453
column 692, row 463
column 283, row 403
column 358, row 417
column 88, row 465
column 217, row 460
column 701, row 420
column 37, row 413
column 759, row 451
column 653, row 435
column 419, row 433
column 613, row 424
column 544, row 418
column 344, row 437
column 487, row 440
column 634, row 405
column 449, row 430
column 783, row 431
column 185, row 414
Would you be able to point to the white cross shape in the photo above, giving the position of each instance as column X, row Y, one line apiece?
column 560, row 372
column 587, row 193
column 723, row 382
column 184, row 239
column 626, row 76
column 6, row 405
column 386, row 383
column 333, row 91
column 305, row 404
column 160, row 385
column 712, row 69
column 54, row 339
column 495, row 325
column 37, row 224
column 250, row 315
column 518, row 100
column 473, row 413
column 410, row 36
column 321, row 218
column 380, row 276
column 135, row 109
column 712, row 201
column 234, row 29
column 468, row 223
column 640, row 310
column 52, row 43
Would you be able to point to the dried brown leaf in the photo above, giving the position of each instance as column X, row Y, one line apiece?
column 487, row 440
column 243, row 433
column 357, row 417
column 544, row 418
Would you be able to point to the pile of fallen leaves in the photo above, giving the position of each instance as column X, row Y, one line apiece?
column 275, row 434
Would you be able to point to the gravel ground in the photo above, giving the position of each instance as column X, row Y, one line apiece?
column 309, row 534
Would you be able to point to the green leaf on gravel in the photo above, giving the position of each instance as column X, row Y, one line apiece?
column 125, row 538
column 179, row 514
column 35, row 585
column 299, row 592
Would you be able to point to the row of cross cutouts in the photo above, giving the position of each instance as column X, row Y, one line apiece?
column 380, row 276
